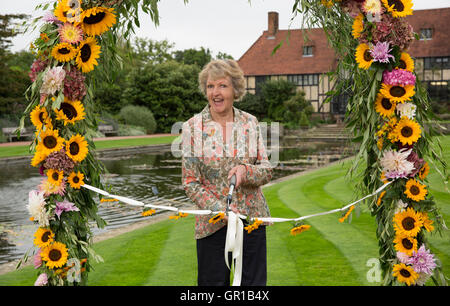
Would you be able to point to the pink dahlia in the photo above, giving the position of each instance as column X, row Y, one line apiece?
column 42, row 280
column 380, row 52
column 422, row 260
column 399, row 77
column 36, row 67
column 53, row 80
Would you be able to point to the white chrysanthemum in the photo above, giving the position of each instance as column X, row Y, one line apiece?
column 395, row 163
column 406, row 110
column 53, row 80
column 400, row 206
column 36, row 207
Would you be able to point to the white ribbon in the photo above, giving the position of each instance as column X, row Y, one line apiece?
column 234, row 244
column 235, row 228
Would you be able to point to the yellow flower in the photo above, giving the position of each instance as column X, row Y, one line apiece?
column 300, row 229
column 51, row 142
column 407, row 131
column 38, row 158
column 406, row 62
column 64, row 52
column 347, row 214
column 88, row 52
column 380, row 198
column 407, row 222
column 55, row 177
column 70, row 111
column 43, row 237
column 148, row 212
column 358, row 26
column 251, row 227
column 97, row 20
column 38, row 116
column 76, row 180
column 399, row 8
column 55, row 255
column 405, row 274
column 384, row 106
column 405, row 244
column 423, row 172
column 216, row 218
column 427, row 222
column 415, row 190
column 61, row 10
column 180, row 215
column 77, row 148
column 397, row 93
column 363, row 57
column 327, row 3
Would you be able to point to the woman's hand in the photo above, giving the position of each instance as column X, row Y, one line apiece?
column 240, row 172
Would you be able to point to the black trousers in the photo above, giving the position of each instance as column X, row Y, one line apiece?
column 212, row 269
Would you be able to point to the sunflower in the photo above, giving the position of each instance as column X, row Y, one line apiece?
column 397, row 93
column 97, row 20
column 55, row 177
column 405, row 274
column 299, row 229
column 415, row 190
column 77, row 148
column 216, row 218
column 358, row 26
column 38, row 158
column 148, row 212
column 363, row 57
column 51, row 142
column 88, row 52
column 43, row 237
column 407, row 222
column 399, row 8
column 423, row 172
column 406, row 62
column 76, row 180
column 70, row 33
column 427, row 222
column 384, row 106
column 407, row 131
column 55, row 255
column 38, row 117
column 61, row 10
column 70, row 111
column 64, row 52
column 405, row 244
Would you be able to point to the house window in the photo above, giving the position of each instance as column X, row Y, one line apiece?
column 426, row 33
column 432, row 63
column 307, row 50
column 304, row 79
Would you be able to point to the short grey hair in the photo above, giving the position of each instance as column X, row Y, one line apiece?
column 217, row 69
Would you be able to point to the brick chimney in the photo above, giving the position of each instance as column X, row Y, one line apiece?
column 273, row 23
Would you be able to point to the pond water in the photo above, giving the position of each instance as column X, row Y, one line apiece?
column 145, row 177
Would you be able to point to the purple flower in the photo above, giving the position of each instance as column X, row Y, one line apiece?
column 49, row 17
column 399, row 77
column 64, row 206
column 422, row 260
column 380, row 52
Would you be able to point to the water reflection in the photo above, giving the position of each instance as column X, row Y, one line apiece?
column 145, row 177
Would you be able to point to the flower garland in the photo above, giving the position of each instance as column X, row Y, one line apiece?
column 403, row 211
column 61, row 110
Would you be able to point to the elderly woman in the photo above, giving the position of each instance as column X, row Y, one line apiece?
column 218, row 143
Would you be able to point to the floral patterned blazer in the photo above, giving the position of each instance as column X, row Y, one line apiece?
column 206, row 161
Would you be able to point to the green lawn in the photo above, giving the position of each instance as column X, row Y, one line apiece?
column 100, row 144
column 330, row 253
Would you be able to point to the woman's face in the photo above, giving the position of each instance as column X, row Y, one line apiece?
column 220, row 95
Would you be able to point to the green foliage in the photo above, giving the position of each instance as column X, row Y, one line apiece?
column 169, row 90
column 275, row 93
column 253, row 104
column 193, row 57
column 297, row 110
column 140, row 116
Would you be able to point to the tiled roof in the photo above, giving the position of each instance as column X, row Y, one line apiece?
column 289, row 59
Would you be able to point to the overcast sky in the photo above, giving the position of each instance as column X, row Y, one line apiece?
column 229, row 26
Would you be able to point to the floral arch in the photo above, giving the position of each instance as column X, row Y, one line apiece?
column 386, row 111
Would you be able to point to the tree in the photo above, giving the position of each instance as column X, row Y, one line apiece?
column 275, row 93
column 193, row 57
column 169, row 90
